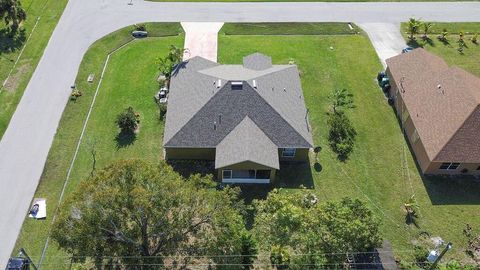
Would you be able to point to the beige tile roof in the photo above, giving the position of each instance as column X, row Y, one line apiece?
column 443, row 103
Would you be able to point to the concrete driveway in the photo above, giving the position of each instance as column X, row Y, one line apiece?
column 201, row 39
column 386, row 39
column 27, row 140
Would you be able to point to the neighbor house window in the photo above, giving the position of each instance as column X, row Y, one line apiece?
column 415, row 136
column 449, row 166
column 405, row 116
column 288, row 152
column 227, row 174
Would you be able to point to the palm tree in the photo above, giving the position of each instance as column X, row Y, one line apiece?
column 427, row 26
column 13, row 14
column 413, row 25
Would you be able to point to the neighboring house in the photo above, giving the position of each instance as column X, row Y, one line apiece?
column 439, row 109
column 247, row 118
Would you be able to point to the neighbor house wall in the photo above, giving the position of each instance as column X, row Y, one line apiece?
column 301, row 154
column 190, row 153
column 434, row 168
column 408, row 127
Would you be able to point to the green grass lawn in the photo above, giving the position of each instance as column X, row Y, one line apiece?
column 307, row 0
column 129, row 80
column 49, row 13
column 469, row 60
column 375, row 171
column 289, row 29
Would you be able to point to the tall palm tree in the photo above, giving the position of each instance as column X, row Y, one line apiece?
column 413, row 25
column 427, row 26
column 13, row 14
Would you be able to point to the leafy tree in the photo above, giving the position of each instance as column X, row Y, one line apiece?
column 341, row 100
column 127, row 120
column 413, row 27
column 139, row 213
column 13, row 14
column 341, row 135
column 299, row 223
column 427, row 26
column 167, row 65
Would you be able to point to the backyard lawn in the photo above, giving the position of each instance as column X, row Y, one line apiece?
column 10, row 95
column 381, row 170
column 129, row 80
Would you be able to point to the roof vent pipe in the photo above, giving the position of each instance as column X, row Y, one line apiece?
column 219, row 83
column 214, row 125
column 219, row 119
column 255, row 84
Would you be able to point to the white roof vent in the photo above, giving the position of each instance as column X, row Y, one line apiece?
column 219, row 83
column 255, row 84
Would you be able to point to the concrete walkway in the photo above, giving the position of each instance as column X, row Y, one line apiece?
column 27, row 140
column 201, row 39
column 386, row 39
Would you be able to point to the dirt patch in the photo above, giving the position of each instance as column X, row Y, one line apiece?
column 15, row 78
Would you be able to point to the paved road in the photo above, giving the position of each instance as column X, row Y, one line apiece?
column 26, row 142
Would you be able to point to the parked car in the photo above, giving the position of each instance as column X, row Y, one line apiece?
column 407, row 49
column 139, row 34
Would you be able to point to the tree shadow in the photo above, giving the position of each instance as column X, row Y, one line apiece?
column 414, row 43
column 411, row 219
column 295, row 175
column 9, row 43
column 444, row 41
column 125, row 139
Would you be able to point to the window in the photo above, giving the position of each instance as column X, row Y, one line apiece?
column 478, row 169
column 288, row 152
column 415, row 136
column 263, row 174
column 227, row 174
column 405, row 115
column 449, row 166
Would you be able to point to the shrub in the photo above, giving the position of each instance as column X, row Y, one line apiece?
column 140, row 27
column 341, row 135
column 75, row 95
column 280, row 257
column 474, row 38
column 162, row 110
column 128, row 120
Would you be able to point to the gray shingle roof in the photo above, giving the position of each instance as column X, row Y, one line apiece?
column 257, row 61
column 201, row 113
column 246, row 142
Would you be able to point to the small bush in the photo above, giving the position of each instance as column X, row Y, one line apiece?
column 128, row 120
column 75, row 95
column 341, row 135
column 474, row 38
column 140, row 27
column 162, row 110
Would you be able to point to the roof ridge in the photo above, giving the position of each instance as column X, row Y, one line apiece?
column 193, row 115
column 294, row 129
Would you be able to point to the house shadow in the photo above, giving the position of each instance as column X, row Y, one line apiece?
column 460, row 189
column 296, row 175
column 8, row 43
column 187, row 168
column 124, row 139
